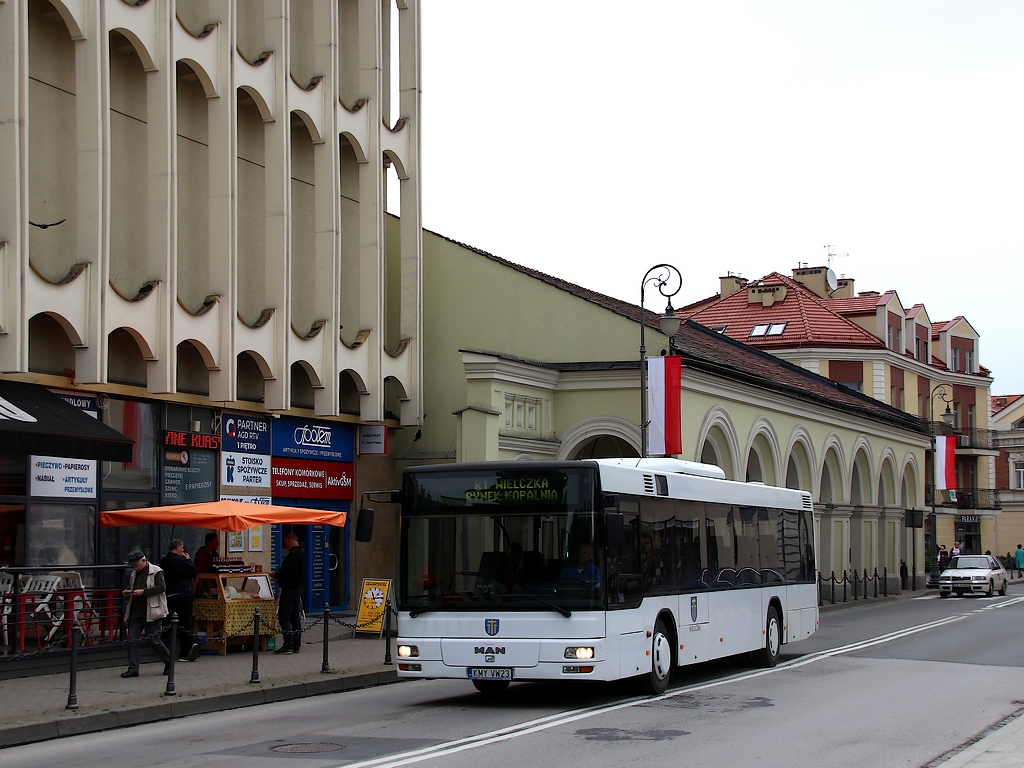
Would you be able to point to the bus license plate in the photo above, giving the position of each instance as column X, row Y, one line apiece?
column 489, row 673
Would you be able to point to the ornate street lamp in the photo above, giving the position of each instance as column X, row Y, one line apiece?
column 939, row 391
column 663, row 276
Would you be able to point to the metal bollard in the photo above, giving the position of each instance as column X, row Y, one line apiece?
column 885, row 580
column 387, row 632
column 255, row 676
column 325, row 667
column 833, row 587
column 73, row 691
column 173, row 650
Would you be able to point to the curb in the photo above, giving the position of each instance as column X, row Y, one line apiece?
column 18, row 735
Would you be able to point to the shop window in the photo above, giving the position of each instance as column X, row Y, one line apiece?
column 60, row 534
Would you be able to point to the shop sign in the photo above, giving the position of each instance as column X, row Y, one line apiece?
column 247, row 499
column 191, row 440
column 373, row 440
column 189, row 476
column 302, row 438
column 55, row 477
column 85, row 403
column 245, row 469
column 970, row 519
column 245, row 434
column 299, row 479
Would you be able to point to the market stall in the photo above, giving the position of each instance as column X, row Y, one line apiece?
column 224, row 613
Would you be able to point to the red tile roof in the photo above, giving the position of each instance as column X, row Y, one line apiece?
column 810, row 320
column 1003, row 401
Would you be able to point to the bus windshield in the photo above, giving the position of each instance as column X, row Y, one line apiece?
column 477, row 538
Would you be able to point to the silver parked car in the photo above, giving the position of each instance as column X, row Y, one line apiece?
column 973, row 573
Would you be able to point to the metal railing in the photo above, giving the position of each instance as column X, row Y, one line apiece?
column 966, row 437
column 966, row 498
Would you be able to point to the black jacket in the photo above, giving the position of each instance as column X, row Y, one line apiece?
column 179, row 574
column 292, row 573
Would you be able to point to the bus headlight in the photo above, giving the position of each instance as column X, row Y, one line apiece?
column 579, row 653
column 408, row 651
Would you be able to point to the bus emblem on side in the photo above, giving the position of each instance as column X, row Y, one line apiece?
column 491, row 627
column 693, row 608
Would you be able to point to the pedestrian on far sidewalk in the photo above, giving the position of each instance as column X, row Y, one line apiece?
column 291, row 582
column 180, row 577
column 1018, row 561
column 145, row 611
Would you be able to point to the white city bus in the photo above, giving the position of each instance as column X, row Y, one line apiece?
column 597, row 570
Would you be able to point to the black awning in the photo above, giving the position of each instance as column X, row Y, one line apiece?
column 35, row 421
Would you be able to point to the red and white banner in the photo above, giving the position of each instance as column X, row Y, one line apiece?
column 945, row 463
column 665, row 432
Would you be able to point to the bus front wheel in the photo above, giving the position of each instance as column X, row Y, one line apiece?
column 769, row 655
column 655, row 681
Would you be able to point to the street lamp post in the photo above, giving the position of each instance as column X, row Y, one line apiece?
column 941, row 392
column 663, row 276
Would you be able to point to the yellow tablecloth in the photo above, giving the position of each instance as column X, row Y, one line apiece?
column 236, row 615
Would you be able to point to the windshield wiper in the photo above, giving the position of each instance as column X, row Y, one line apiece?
column 559, row 608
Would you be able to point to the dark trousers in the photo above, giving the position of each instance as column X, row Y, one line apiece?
column 182, row 605
column 152, row 630
column 289, row 615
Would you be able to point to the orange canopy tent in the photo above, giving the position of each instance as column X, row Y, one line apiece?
column 221, row 515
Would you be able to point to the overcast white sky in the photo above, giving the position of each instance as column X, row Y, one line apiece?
column 592, row 140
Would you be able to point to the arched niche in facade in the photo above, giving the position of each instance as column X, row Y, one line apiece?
column 351, row 389
column 762, row 454
column 799, row 472
column 861, row 475
column 717, row 443
column 831, row 474
column 601, row 434
column 303, row 381
column 886, row 492
column 127, row 353
column 194, row 362
column 251, row 374
column 51, row 344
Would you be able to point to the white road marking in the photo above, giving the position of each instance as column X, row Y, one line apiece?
column 563, row 718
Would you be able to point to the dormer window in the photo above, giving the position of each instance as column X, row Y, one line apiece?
column 767, row 329
column 719, row 328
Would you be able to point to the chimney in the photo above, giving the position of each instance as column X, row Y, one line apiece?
column 731, row 283
column 844, row 288
column 813, row 278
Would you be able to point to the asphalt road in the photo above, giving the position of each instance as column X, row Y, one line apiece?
column 893, row 684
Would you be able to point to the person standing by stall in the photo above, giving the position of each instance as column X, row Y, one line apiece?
column 146, row 608
column 180, row 578
column 291, row 582
column 204, row 563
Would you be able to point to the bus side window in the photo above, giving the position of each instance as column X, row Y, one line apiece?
column 625, row 585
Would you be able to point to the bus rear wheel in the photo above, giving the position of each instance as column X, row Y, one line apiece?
column 655, row 681
column 491, row 687
column 768, row 656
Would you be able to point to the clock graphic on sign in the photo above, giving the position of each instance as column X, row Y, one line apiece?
column 374, row 597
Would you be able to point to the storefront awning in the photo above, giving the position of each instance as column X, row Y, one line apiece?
column 223, row 515
column 34, row 421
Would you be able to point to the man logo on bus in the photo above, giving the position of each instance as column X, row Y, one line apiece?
column 693, row 608
column 491, row 627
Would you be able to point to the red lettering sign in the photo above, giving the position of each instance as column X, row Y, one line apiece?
column 205, row 442
column 176, row 439
column 305, row 479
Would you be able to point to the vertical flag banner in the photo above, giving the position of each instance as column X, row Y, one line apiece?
column 945, row 463
column 665, row 433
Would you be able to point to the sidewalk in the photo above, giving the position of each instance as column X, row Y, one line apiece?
column 216, row 683
column 35, row 707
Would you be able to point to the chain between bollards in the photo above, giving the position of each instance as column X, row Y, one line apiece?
column 173, row 650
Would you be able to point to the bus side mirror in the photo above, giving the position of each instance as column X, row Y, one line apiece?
column 364, row 525
column 614, row 529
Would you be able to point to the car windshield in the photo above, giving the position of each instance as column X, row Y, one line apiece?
column 969, row 562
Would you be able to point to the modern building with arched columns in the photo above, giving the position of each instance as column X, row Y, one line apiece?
column 195, row 248
column 522, row 365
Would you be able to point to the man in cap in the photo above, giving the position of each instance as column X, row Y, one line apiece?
column 146, row 607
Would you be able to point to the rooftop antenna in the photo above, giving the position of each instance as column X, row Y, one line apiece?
column 830, row 275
